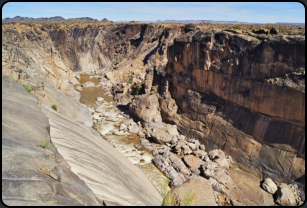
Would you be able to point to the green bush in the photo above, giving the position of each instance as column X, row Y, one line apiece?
column 139, row 89
column 28, row 88
column 44, row 143
column 20, row 71
column 116, row 62
column 85, row 44
column 12, row 66
column 129, row 80
column 54, row 107
column 237, row 27
column 119, row 32
column 152, row 92
column 158, row 72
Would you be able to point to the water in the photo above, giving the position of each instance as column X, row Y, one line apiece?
column 141, row 158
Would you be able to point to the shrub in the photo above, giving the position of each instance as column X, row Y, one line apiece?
column 119, row 32
column 28, row 88
column 24, row 46
column 158, row 72
column 206, row 126
column 19, row 70
column 237, row 27
column 116, row 62
column 139, row 89
column 53, row 75
column 12, row 66
column 254, row 39
column 129, row 80
column 44, row 143
column 152, row 92
column 54, row 107
column 85, row 44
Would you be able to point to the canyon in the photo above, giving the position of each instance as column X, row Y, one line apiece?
column 241, row 91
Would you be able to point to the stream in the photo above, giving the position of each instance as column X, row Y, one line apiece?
column 141, row 158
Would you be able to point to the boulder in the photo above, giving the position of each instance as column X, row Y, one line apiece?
column 200, row 153
column 141, row 134
column 285, row 196
column 99, row 99
column 122, row 127
column 199, row 188
column 99, row 109
column 164, row 166
column 269, row 186
column 192, row 146
column 186, row 150
column 146, row 108
column 88, row 84
column 178, row 164
column 202, row 147
column 218, row 156
column 194, row 163
column 164, row 134
column 133, row 128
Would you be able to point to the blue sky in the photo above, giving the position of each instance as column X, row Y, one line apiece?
column 253, row 12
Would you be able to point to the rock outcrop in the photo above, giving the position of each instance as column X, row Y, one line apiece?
column 31, row 174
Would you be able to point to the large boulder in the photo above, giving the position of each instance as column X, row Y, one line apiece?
column 164, row 134
column 218, row 156
column 200, row 190
column 285, row 196
column 269, row 186
column 194, row 163
column 146, row 108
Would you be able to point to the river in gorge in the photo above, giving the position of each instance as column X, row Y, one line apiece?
column 141, row 158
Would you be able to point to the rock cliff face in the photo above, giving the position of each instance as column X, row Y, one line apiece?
column 219, row 80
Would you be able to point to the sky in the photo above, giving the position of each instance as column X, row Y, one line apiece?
column 252, row 12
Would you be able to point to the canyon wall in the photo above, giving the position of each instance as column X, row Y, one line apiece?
column 219, row 81
column 234, row 90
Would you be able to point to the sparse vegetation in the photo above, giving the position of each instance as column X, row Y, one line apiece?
column 254, row 39
column 206, row 126
column 28, row 88
column 139, row 89
column 20, row 71
column 12, row 66
column 53, row 75
column 44, row 143
column 177, row 199
column 129, row 80
column 85, row 44
column 54, row 107
column 157, row 70
column 152, row 92
column 24, row 46
column 237, row 27
column 13, row 79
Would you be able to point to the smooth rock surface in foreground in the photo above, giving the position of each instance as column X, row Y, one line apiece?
column 32, row 175
column 106, row 171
